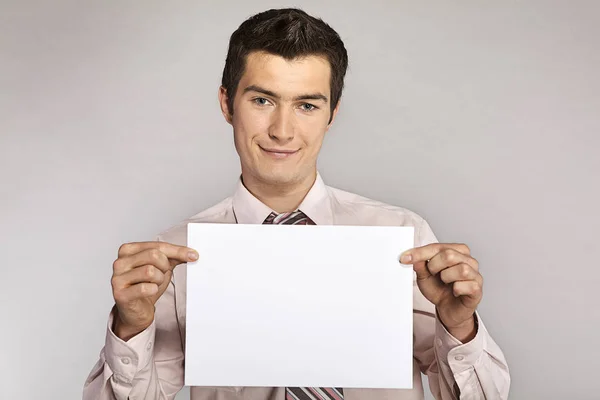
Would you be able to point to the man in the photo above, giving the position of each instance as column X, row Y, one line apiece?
column 281, row 90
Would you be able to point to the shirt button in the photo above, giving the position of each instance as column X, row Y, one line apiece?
column 125, row 360
column 439, row 341
column 459, row 358
column 149, row 346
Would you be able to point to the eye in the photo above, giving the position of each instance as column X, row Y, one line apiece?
column 308, row 107
column 261, row 101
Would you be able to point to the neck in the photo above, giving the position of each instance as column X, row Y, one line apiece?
column 279, row 197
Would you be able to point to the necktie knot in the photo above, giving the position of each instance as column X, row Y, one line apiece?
column 290, row 218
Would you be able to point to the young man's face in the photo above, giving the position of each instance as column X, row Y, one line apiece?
column 281, row 114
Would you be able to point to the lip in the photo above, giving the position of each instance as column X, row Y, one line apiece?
column 279, row 153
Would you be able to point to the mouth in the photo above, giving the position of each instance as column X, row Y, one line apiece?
column 279, row 153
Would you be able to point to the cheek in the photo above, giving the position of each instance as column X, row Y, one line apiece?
column 314, row 133
column 248, row 124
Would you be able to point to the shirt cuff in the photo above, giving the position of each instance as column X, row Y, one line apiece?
column 459, row 356
column 125, row 359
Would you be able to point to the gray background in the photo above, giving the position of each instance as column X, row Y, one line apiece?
column 480, row 116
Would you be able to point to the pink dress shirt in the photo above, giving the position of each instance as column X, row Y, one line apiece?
column 151, row 364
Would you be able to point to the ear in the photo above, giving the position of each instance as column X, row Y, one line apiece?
column 334, row 114
column 224, row 106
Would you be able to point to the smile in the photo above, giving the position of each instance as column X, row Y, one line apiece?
column 279, row 153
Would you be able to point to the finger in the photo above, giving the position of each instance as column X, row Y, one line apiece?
column 460, row 272
column 427, row 252
column 448, row 258
column 172, row 251
column 150, row 256
column 145, row 273
column 469, row 289
column 135, row 292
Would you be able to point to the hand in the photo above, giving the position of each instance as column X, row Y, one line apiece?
column 141, row 274
column 449, row 277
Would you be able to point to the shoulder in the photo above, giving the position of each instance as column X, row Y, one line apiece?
column 354, row 209
column 219, row 213
column 369, row 209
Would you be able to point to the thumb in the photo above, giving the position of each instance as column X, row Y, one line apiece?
column 421, row 270
column 163, row 286
column 431, row 287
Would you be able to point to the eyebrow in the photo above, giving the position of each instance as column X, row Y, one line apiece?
column 309, row 96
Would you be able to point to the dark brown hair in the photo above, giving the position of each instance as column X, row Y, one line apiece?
column 289, row 33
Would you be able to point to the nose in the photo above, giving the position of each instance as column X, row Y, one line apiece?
column 282, row 126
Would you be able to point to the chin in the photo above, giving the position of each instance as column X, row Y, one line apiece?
column 279, row 177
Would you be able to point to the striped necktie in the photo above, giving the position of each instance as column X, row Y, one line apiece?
column 303, row 393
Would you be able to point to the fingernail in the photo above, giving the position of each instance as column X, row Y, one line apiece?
column 193, row 255
column 406, row 258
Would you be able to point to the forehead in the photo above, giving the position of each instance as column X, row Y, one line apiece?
column 287, row 77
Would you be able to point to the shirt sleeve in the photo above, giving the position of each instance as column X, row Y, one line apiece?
column 147, row 366
column 473, row 370
column 126, row 359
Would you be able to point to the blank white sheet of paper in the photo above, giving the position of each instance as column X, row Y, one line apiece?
column 285, row 305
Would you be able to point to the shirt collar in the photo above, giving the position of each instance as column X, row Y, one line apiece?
column 316, row 205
